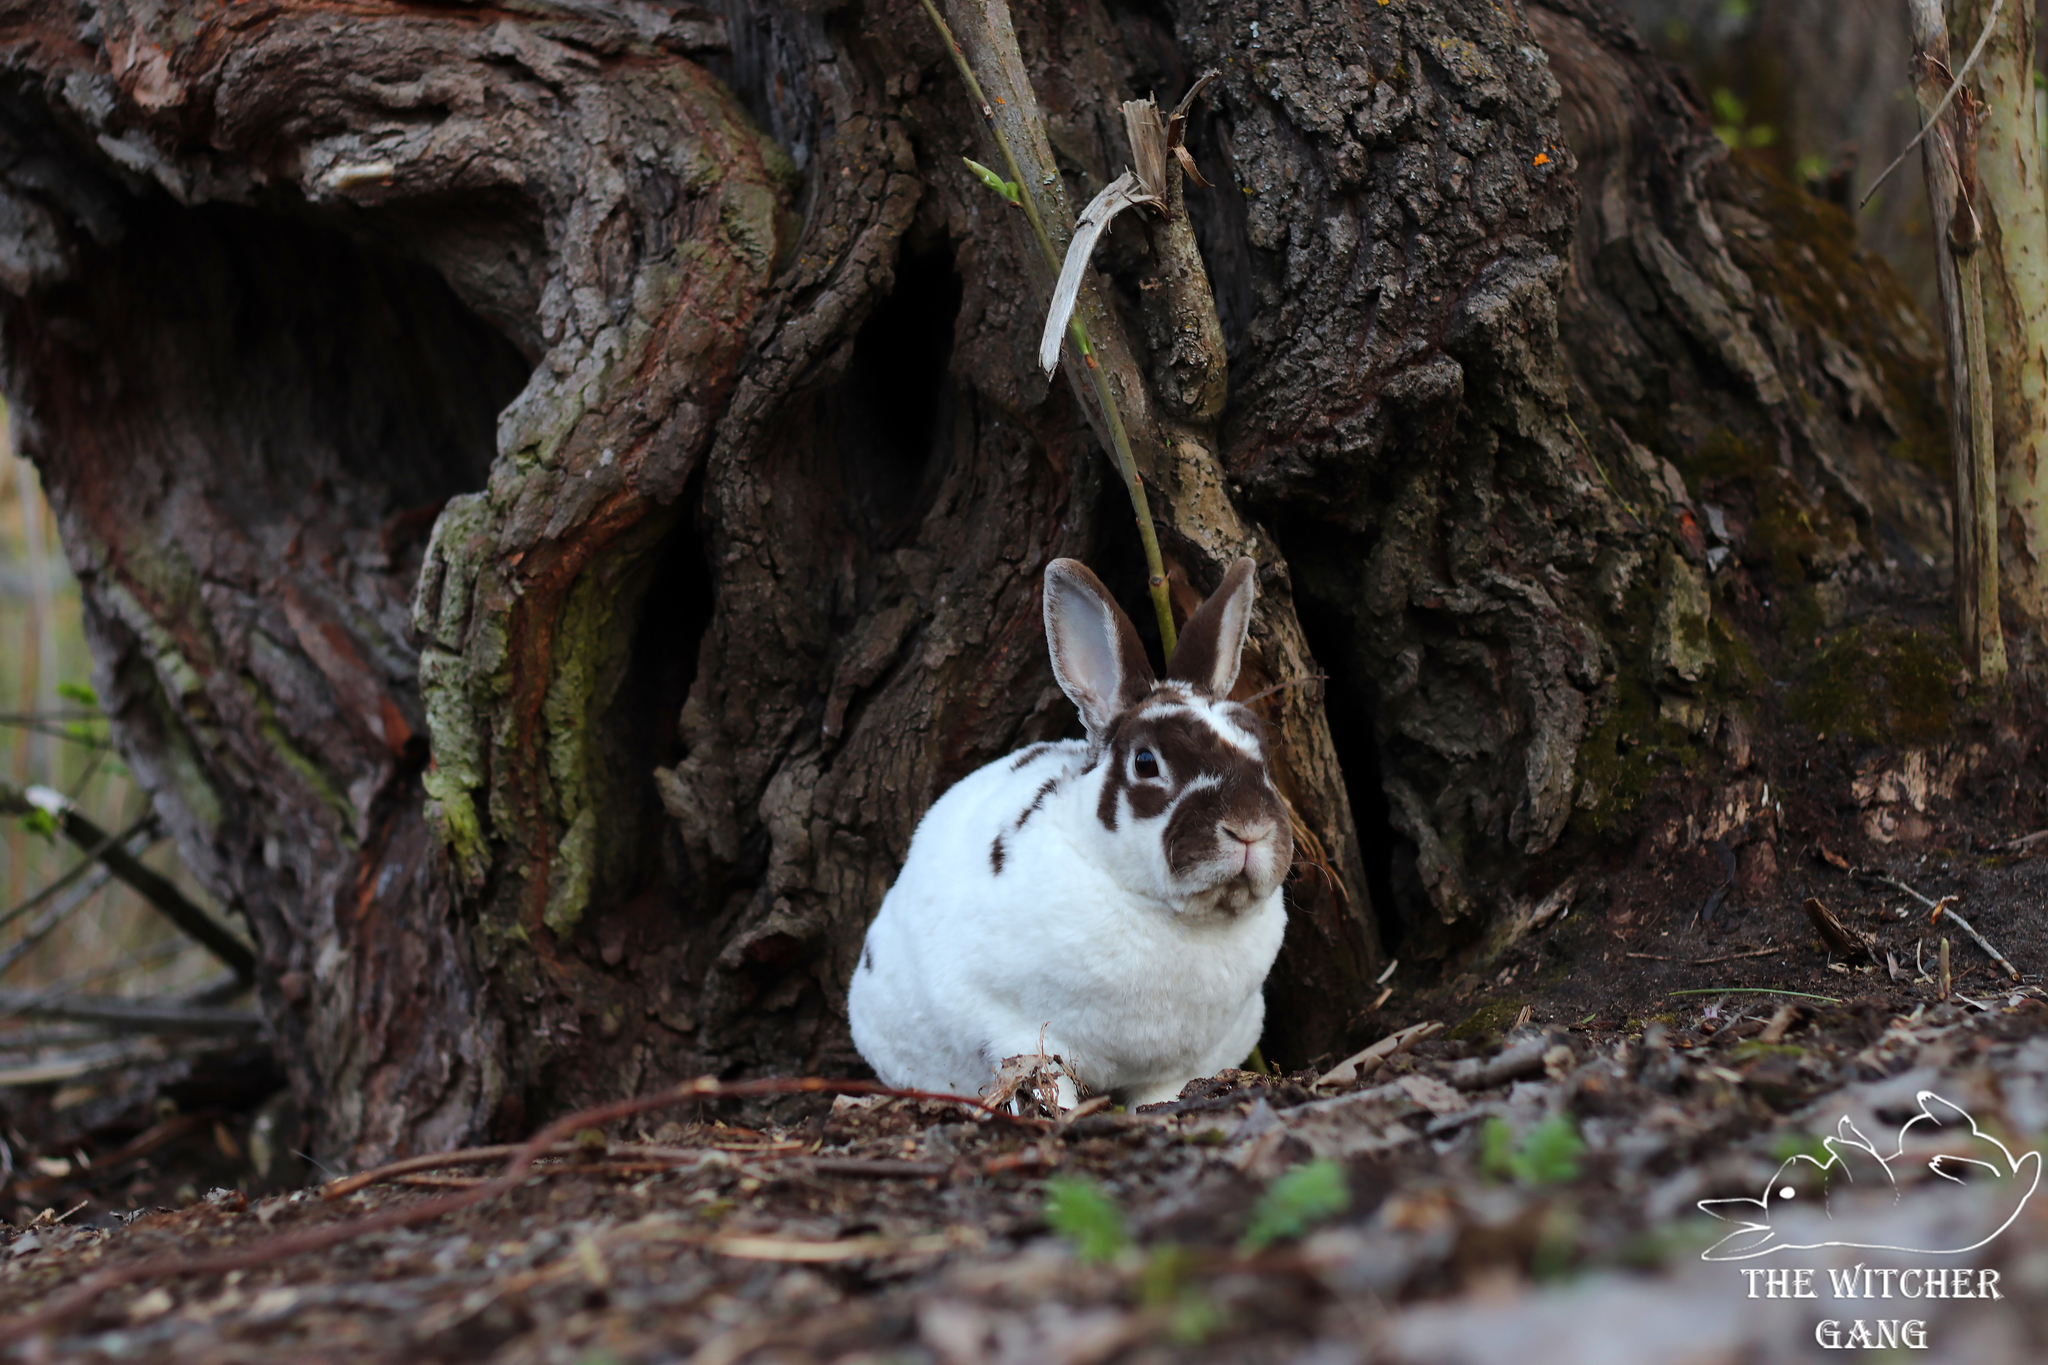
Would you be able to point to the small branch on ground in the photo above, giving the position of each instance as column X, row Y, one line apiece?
column 155, row 1016
column 1946, row 909
column 150, row 884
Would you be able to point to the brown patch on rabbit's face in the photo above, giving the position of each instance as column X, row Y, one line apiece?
column 1200, row 764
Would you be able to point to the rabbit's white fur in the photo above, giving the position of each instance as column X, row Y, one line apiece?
column 1022, row 922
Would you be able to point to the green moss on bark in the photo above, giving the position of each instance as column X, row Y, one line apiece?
column 1880, row 682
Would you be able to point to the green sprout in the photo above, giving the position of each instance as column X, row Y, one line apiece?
column 1548, row 1155
column 1295, row 1202
column 1009, row 189
column 1080, row 1212
column 79, row 692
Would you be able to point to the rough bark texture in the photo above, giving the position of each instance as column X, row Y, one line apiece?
column 551, row 760
column 2015, row 272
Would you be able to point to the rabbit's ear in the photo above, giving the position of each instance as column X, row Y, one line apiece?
column 1212, row 641
column 1096, row 655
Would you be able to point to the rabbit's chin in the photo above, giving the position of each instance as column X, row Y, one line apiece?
column 1232, row 896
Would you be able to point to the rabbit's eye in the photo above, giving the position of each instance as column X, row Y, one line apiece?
column 1147, row 765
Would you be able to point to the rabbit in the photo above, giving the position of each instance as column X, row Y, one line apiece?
column 1114, row 901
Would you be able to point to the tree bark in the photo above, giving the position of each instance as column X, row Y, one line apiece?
column 558, row 493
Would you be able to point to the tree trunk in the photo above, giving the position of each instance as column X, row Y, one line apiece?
column 559, row 492
column 2015, row 273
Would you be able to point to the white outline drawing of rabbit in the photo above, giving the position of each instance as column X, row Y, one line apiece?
column 1854, row 1160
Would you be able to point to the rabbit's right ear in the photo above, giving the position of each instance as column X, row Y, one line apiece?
column 1096, row 655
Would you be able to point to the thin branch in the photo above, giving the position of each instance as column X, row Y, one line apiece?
column 1105, row 399
column 150, row 884
column 155, row 1016
column 51, row 918
column 1990, row 23
column 69, row 874
column 1737, row 957
column 57, row 989
column 55, row 730
column 1982, row 942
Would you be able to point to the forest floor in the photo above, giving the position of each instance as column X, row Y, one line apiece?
column 1517, row 1176
column 1522, row 1190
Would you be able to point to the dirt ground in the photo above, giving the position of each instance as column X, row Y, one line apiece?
column 1460, row 1220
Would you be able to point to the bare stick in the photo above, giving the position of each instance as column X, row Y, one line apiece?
column 1737, row 957
column 150, row 884
column 12, row 802
column 54, row 916
column 154, row 1015
column 1946, row 980
column 1946, row 909
column 436, row 1161
column 1112, row 416
column 1897, row 885
column 1990, row 23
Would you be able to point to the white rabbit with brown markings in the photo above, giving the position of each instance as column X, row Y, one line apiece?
column 1113, row 901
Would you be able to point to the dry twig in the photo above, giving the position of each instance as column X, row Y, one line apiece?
column 1946, row 909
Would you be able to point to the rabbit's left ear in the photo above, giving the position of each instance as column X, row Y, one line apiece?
column 1212, row 641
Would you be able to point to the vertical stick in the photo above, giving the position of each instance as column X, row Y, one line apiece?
column 1945, row 979
column 1022, row 109
column 42, row 619
column 16, row 868
column 1947, row 158
column 2014, row 216
column 1989, row 645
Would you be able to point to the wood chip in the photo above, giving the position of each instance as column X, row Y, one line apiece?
column 1839, row 937
column 1362, row 1064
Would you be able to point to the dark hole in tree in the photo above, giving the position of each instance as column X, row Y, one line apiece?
column 304, row 361
column 892, row 414
column 1350, row 703
column 680, row 599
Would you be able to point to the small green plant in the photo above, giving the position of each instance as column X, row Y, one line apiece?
column 79, row 692
column 40, row 822
column 1007, row 188
column 1731, row 120
column 1296, row 1202
column 1166, row 1286
column 1549, row 1155
column 1079, row 1211
column 1790, row 1145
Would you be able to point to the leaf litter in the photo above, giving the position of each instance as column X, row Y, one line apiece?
column 1455, row 1202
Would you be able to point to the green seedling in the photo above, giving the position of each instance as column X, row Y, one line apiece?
column 1080, row 1212
column 1009, row 189
column 1549, row 1155
column 79, row 692
column 40, row 822
column 1790, row 1145
column 1296, row 1202
column 1166, row 1286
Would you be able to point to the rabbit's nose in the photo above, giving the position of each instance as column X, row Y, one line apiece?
column 1249, row 832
